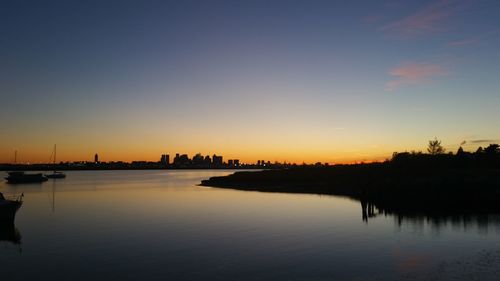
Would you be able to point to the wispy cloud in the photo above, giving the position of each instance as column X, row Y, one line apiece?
column 462, row 42
column 483, row 141
column 478, row 38
column 413, row 73
column 426, row 20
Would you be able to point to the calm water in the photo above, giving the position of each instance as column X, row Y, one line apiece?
column 158, row 225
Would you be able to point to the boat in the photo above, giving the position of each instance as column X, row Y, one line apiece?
column 22, row 177
column 55, row 174
column 9, row 207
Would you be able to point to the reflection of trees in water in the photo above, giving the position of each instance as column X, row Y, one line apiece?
column 435, row 220
column 368, row 210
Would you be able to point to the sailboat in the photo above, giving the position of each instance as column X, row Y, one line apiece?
column 55, row 174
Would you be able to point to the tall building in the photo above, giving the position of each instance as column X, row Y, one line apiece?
column 198, row 159
column 217, row 161
column 96, row 158
column 165, row 159
column 208, row 161
column 233, row 162
column 181, row 160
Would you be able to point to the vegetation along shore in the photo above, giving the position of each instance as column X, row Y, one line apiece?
column 409, row 183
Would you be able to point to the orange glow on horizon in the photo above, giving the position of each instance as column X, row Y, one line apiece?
column 34, row 156
column 249, row 147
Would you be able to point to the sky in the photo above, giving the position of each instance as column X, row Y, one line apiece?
column 295, row 81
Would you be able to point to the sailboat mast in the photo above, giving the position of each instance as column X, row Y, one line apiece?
column 55, row 174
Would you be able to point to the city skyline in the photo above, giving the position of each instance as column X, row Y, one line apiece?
column 299, row 81
column 169, row 157
column 165, row 159
column 179, row 161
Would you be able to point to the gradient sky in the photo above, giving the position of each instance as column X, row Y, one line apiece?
column 330, row 81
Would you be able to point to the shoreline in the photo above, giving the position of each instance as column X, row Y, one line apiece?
column 47, row 169
column 390, row 189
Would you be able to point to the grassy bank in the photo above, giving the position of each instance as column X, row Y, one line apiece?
column 389, row 186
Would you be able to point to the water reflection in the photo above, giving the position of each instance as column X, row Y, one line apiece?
column 54, row 195
column 437, row 219
column 368, row 210
column 159, row 225
column 9, row 233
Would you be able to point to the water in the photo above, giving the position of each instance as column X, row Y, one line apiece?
column 159, row 225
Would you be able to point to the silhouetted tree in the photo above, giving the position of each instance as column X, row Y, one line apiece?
column 435, row 147
column 460, row 151
column 416, row 153
column 492, row 149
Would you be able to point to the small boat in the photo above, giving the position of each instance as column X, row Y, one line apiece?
column 9, row 207
column 55, row 174
column 22, row 177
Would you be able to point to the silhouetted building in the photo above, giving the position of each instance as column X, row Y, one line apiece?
column 181, row 160
column 217, row 161
column 165, row 159
column 96, row 158
column 198, row 160
column 233, row 162
column 207, row 160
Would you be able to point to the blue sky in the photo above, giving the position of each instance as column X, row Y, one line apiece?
column 280, row 80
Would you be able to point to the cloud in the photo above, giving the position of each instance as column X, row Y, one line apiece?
column 478, row 38
column 462, row 42
column 413, row 73
column 428, row 19
column 483, row 141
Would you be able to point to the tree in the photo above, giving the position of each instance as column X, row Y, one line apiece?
column 492, row 149
column 435, row 147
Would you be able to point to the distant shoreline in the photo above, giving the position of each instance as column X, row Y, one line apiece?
column 38, row 169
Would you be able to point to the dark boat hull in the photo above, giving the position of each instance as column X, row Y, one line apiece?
column 37, row 180
column 55, row 176
column 8, row 210
column 20, row 177
column 9, row 232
